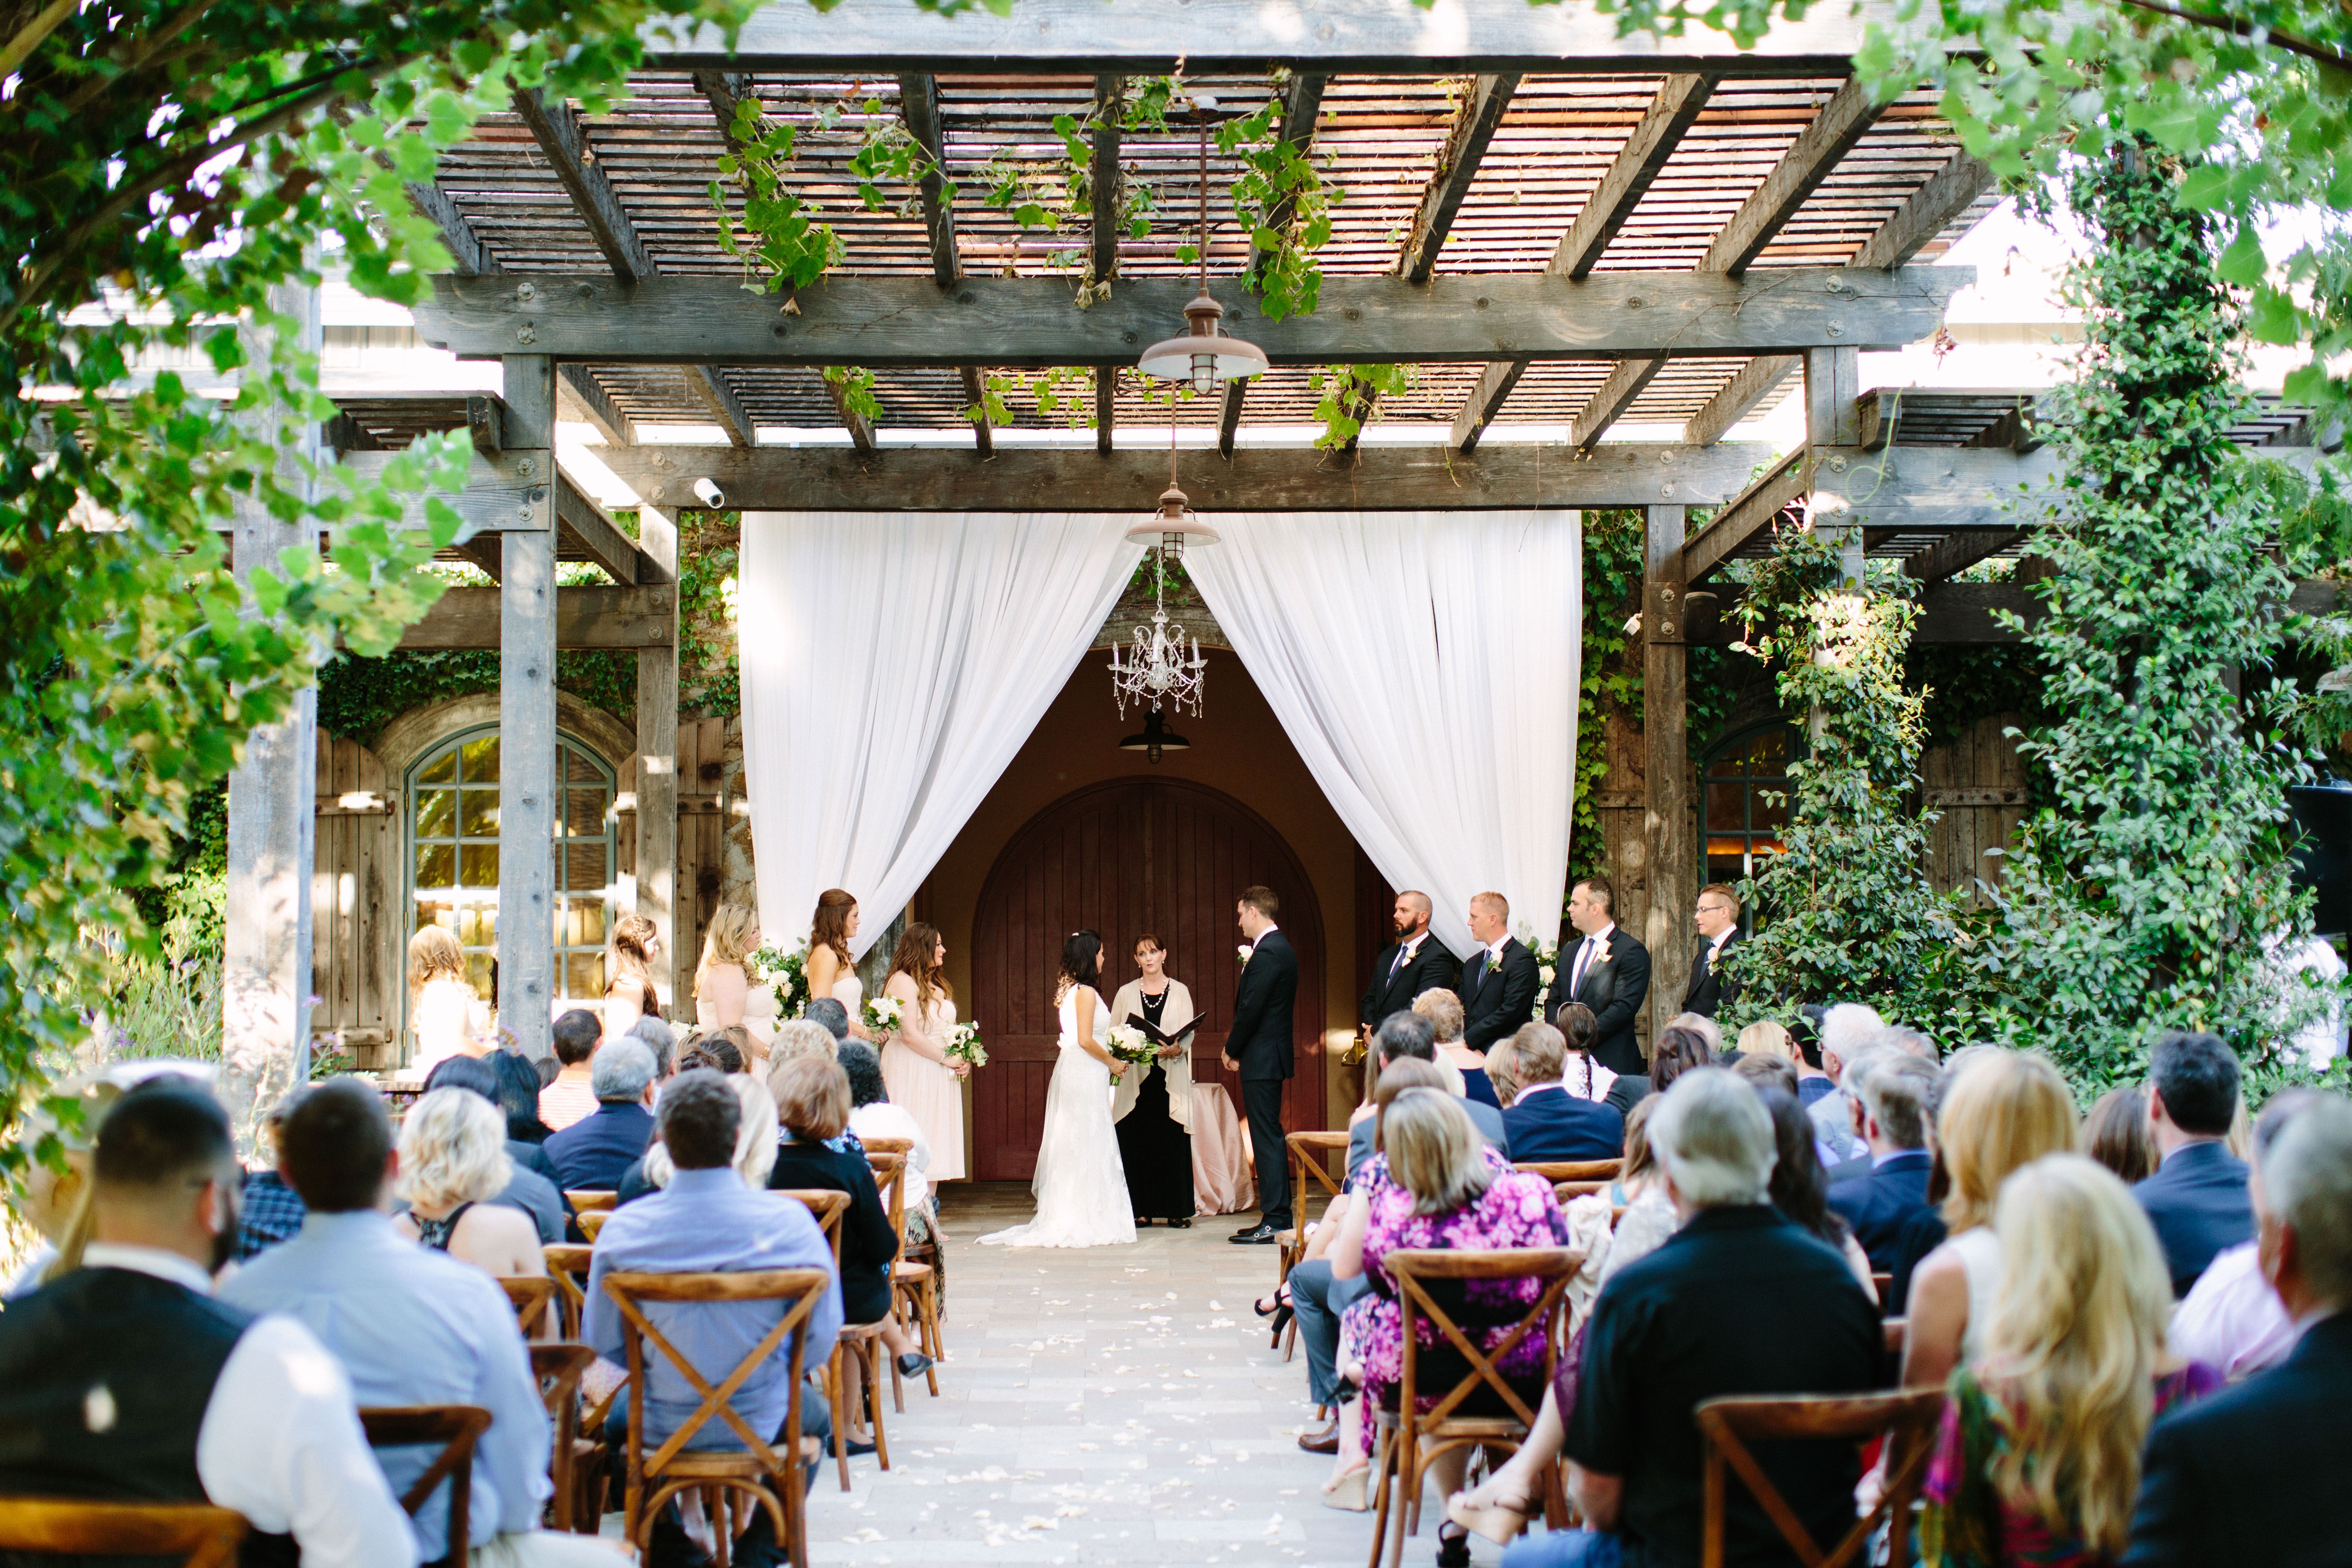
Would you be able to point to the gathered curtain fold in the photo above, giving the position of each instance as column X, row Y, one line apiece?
column 1426, row 665
column 893, row 663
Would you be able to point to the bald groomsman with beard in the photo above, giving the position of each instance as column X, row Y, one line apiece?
column 1416, row 962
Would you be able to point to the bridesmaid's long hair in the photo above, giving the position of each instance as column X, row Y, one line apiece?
column 917, row 959
column 1081, row 962
column 831, row 927
column 1580, row 1026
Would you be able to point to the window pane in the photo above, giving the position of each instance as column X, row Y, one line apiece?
column 482, row 760
column 581, row 767
column 584, row 812
column 433, row 912
column 437, row 865
column 478, row 971
column 1768, row 752
column 436, row 812
column 479, row 864
column 583, row 975
column 444, row 769
column 1724, row 867
column 581, row 867
column 477, row 816
column 1724, row 803
column 1769, row 810
column 591, row 923
column 477, row 925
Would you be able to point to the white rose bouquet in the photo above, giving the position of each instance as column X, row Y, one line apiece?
column 1546, row 954
column 787, row 972
column 1127, row 1044
column 882, row 1013
column 963, row 1045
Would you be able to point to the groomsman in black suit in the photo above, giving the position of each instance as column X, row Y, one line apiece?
column 1717, row 920
column 1258, row 1052
column 1608, row 972
column 1500, row 979
column 1416, row 962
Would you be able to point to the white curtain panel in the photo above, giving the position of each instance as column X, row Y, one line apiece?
column 1425, row 664
column 893, row 663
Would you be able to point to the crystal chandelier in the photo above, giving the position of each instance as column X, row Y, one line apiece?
column 1156, row 671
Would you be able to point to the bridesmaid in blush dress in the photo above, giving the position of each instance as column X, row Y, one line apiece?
column 830, row 971
column 915, row 1065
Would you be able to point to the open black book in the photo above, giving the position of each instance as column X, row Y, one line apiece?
column 1158, row 1036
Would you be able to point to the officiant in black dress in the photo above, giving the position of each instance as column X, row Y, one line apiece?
column 1153, row 1107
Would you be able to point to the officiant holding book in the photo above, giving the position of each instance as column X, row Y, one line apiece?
column 1153, row 1108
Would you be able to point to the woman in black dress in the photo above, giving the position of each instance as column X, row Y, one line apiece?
column 1153, row 1108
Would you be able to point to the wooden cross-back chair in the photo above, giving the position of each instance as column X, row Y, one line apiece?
column 199, row 1534
column 1573, row 1170
column 826, row 1207
column 592, row 1221
column 592, row 1200
column 567, row 1265
column 1568, row 1192
column 457, row 1427
column 559, row 1366
column 528, row 1295
column 1411, row 1440
column 1291, row 1245
column 765, row 1478
column 1907, row 1419
column 890, row 1168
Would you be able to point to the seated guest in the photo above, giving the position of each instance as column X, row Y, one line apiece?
column 453, row 1166
column 270, row 1211
column 2116, row 1134
column 1889, row 1093
column 1433, row 1184
column 1445, row 1021
column 2231, row 1319
column 831, row 1014
column 572, row 1096
column 718, row 1048
column 797, row 1037
column 518, row 1092
column 1677, row 1328
column 594, row 1154
column 1797, row 1189
column 659, row 1039
column 1707, row 1028
column 1545, row 1121
column 1679, row 1050
column 872, row 1116
column 2248, row 1479
column 1843, row 1032
column 2005, row 1109
column 1403, row 1034
column 813, row 1107
column 124, row 1380
column 1581, row 1073
column 1813, row 1084
column 2038, row 1454
column 410, row 1326
column 1764, row 1070
column 2197, row 1196
column 707, row 1221
column 531, row 1188
column 756, row 1131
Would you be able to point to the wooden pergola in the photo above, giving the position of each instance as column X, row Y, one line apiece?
column 1556, row 226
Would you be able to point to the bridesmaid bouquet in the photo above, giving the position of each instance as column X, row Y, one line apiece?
column 963, row 1045
column 882, row 1013
column 1127, row 1044
column 787, row 973
column 1547, row 953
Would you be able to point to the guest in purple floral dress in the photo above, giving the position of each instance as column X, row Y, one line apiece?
column 1434, row 1183
column 2037, row 1463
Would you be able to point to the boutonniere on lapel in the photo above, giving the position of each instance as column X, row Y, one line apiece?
column 1601, row 957
column 1241, row 954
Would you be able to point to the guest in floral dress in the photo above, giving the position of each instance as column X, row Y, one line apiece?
column 1432, row 1183
column 2038, row 1460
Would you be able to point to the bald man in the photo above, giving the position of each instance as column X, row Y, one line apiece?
column 1416, row 962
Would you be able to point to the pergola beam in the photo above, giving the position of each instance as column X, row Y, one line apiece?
column 976, row 397
column 1485, row 401
column 860, row 428
column 1229, row 418
column 1302, row 101
column 1029, row 321
column 1610, row 399
column 469, row 257
column 1475, row 125
column 1842, row 122
column 1956, row 552
column 578, row 390
column 1754, row 382
column 583, row 522
column 1105, row 405
column 1103, row 185
column 919, row 104
column 1255, row 478
column 1628, row 177
column 591, row 617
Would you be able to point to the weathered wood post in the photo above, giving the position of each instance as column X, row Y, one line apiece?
column 526, row 752
column 1666, row 817
column 657, row 776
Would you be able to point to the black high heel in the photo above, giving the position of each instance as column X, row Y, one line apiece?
column 1452, row 1551
column 1281, row 1303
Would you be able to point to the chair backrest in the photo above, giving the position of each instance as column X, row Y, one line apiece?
column 567, row 1265
column 1415, row 1269
column 586, row 1200
column 887, row 1146
column 890, row 1176
column 201, row 1534
column 802, row 1288
column 1310, row 1155
column 1907, row 1419
column 1573, row 1170
column 529, row 1294
column 558, row 1365
column 827, row 1207
column 455, row 1427
column 592, row 1221
column 1566, row 1191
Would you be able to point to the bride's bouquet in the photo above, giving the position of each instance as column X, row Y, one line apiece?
column 882, row 1013
column 772, row 965
column 963, row 1045
column 1127, row 1044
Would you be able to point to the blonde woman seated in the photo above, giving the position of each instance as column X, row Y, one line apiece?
column 724, row 996
column 453, row 1162
column 445, row 1016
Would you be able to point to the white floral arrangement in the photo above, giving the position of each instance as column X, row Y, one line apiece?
column 1241, row 954
column 1127, row 1044
column 1547, row 953
column 883, row 1014
column 786, row 970
column 964, row 1045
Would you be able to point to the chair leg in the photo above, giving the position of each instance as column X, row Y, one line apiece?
column 876, row 1353
column 898, row 1387
column 836, row 1383
column 933, row 1345
column 1383, row 1450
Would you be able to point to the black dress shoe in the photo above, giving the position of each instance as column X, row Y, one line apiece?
column 1247, row 1229
column 1259, row 1236
column 1326, row 1441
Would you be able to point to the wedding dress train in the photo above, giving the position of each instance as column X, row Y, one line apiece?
column 1081, row 1186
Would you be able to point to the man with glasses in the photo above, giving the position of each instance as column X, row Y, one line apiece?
column 1719, row 927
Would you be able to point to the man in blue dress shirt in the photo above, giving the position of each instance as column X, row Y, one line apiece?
column 411, row 1326
column 707, row 1221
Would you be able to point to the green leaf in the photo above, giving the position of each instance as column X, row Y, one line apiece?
column 2242, row 263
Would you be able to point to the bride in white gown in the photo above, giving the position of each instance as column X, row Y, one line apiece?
column 1081, row 1186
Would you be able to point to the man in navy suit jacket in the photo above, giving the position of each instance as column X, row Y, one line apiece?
column 2197, row 1196
column 1890, row 1091
column 2253, row 1475
column 1547, row 1122
column 594, row 1152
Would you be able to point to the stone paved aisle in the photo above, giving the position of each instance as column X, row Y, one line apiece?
column 1110, row 1405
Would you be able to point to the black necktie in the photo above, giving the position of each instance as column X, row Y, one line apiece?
column 1397, row 968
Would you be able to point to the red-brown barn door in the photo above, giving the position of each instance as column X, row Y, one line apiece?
column 1124, row 857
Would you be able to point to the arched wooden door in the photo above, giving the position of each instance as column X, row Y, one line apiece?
column 1124, row 857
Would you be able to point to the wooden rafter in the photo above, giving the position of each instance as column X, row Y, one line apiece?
column 577, row 389
column 1607, row 405
column 1481, row 115
column 1105, row 405
column 919, row 104
column 1109, row 93
column 1956, row 552
column 1842, row 121
column 1229, row 418
column 581, row 521
column 975, row 397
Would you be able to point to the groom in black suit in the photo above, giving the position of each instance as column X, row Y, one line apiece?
column 1499, row 981
column 1417, row 962
column 1258, row 1052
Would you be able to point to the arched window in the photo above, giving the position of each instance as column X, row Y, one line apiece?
column 453, row 836
column 1746, row 782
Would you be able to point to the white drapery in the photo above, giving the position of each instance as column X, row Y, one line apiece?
column 893, row 663
column 1426, row 666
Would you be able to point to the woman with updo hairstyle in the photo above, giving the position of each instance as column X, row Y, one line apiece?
column 830, row 969
column 923, row 1080
column 629, row 991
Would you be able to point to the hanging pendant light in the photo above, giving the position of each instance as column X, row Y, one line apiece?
column 1203, row 356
